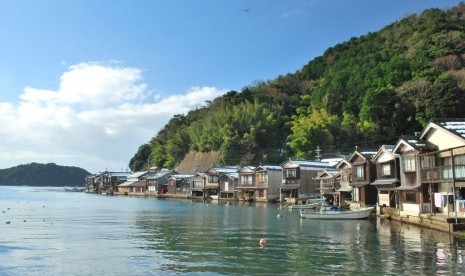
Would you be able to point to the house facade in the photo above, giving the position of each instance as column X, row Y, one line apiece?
column 432, row 176
column 198, row 186
column 246, row 185
column 327, row 184
column 363, row 173
column 90, row 186
column 135, row 184
column 179, row 185
column 442, row 172
column 413, row 196
column 157, row 181
column 228, row 186
column 345, row 189
column 268, row 180
column 260, row 183
column 297, row 179
column 212, row 180
column 387, row 176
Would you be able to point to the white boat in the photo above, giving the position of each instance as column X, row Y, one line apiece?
column 74, row 189
column 325, row 214
column 304, row 206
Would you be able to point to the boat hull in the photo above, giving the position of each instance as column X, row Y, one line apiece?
column 363, row 213
column 305, row 206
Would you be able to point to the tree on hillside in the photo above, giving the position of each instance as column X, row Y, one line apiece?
column 370, row 89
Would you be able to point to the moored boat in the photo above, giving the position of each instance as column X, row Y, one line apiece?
column 74, row 189
column 325, row 214
column 304, row 206
column 213, row 197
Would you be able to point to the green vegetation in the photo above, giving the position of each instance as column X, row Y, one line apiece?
column 367, row 92
column 35, row 174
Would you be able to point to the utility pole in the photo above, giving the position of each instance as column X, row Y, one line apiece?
column 318, row 153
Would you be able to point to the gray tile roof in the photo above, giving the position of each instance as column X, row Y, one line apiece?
column 456, row 125
column 417, row 143
column 309, row 163
column 182, row 176
column 225, row 169
column 271, row 167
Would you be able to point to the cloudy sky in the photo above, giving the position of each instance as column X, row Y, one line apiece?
column 85, row 83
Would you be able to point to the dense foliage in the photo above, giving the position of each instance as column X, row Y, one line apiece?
column 364, row 92
column 35, row 174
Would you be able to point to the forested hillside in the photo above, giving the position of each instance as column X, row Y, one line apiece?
column 35, row 174
column 364, row 92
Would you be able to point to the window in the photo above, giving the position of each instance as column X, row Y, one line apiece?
column 360, row 171
column 261, row 178
column 410, row 197
column 408, row 163
column 459, row 162
column 246, row 180
column 459, row 167
column 356, row 194
column 213, row 179
column 459, row 159
column 447, row 168
column 386, row 169
column 291, row 173
column 198, row 184
column 427, row 161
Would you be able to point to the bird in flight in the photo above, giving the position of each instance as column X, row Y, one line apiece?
column 245, row 10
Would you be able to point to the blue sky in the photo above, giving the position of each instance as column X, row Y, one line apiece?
column 85, row 83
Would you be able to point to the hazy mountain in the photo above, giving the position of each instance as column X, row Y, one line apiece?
column 36, row 174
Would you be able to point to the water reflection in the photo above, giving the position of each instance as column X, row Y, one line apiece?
column 425, row 251
column 95, row 235
column 222, row 238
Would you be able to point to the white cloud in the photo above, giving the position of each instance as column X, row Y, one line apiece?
column 97, row 118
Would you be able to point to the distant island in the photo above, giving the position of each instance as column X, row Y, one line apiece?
column 36, row 174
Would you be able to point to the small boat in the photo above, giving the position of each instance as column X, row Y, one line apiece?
column 74, row 189
column 334, row 214
column 304, row 206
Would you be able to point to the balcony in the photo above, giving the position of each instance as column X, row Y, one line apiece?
column 246, row 185
column 442, row 174
column 262, row 185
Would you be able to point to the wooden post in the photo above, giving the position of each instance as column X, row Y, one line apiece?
column 453, row 185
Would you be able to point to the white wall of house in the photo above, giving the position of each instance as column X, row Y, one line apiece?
column 274, row 182
column 444, row 140
column 383, row 198
column 410, row 209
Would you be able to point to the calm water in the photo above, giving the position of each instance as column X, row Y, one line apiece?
column 52, row 232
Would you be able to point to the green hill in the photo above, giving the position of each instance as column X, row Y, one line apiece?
column 35, row 174
column 364, row 92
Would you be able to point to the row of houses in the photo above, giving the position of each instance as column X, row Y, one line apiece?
column 417, row 180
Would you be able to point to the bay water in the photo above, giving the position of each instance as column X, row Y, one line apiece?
column 47, row 231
